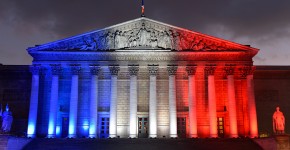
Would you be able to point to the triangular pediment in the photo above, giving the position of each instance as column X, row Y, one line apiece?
column 142, row 33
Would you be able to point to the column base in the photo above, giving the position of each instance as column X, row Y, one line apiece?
column 173, row 136
column 213, row 136
column 112, row 136
column 51, row 136
column 92, row 136
column 72, row 136
column 31, row 136
column 132, row 136
column 193, row 136
column 152, row 135
column 234, row 136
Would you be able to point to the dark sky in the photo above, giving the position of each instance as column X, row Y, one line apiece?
column 263, row 24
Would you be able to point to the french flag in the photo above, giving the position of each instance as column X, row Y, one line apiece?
column 143, row 9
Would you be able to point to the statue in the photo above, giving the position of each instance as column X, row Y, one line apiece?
column 6, row 120
column 278, row 122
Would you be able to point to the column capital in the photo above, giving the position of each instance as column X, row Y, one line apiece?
column 95, row 69
column 55, row 69
column 210, row 69
column 153, row 69
column 75, row 69
column 191, row 69
column 35, row 69
column 114, row 69
column 172, row 69
column 229, row 69
column 247, row 70
column 133, row 70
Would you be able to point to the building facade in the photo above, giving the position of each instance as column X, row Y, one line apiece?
column 141, row 79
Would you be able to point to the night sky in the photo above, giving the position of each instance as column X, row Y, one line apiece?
column 263, row 24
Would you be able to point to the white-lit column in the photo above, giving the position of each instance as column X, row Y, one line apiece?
column 55, row 70
column 172, row 102
column 192, row 101
column 153, row 69
column 232, row 102
column 94, row 101
column 32, row 119
column 73, row 109
column 133, row 71
column 113, row 101
column 209, row 70
column 251, row 102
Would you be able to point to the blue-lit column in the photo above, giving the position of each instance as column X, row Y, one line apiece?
column 113, row 101
column 172, row 101
column 133, row 71
column 191, row 70
column 209, row 71
column 153, row 69
column 32, row 119
column 55, row 70
column 94, row 101
column 73, row 109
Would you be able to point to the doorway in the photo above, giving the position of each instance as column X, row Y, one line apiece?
column 142, row 127
column 104, row 127
column 220, row 126
column 181, row 127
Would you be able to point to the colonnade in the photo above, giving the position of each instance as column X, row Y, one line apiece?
column 133, row 72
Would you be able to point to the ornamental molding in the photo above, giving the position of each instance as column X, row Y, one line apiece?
column 210, row 70
column 55, row 69
column 140, row 34
column 229, row 69
column 114, row 69
column 153, row 69
column 247, row 70
column 133, row 70
column 191, row 70
column 172, row 69
column 75, row 69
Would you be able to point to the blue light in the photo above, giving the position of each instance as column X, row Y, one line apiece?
column 31, row 130
column 57, row 130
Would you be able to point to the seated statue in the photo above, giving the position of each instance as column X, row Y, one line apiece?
column 278, row 122
column 6, row 120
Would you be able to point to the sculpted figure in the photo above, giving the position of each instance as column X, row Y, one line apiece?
column 143, row 36
column 278, row 121
column 7, row 120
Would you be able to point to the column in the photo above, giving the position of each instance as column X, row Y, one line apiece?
column 32, row 119
column 192, row 101
column 113, row 101
column 172, row 101
column 232, row 102
column 153, row 69
column 94, row 101
column 248, row 72
column 55, row 70
column 133, row 71
column 209, row 70
column 73, row 108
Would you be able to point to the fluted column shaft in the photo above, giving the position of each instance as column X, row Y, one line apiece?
column 113, row 101
column 55, row 69
column 73, row 110
column 172, row 102
column 211, row 102
column 232, row 102
column 192, row 101
column 152, row 101
column 32, row 119
column 251, row 102
column 133, row 71
column 94, row 101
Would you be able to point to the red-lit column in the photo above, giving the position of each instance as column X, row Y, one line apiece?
column 192, row 101
column 232, row 102
column 153, row 69
column 133, row 71
column 172, row 101
column 248, row 72
column 94, row 101
column 32, row 119
column 209, row 70
column 55, row 70
column 113, row 101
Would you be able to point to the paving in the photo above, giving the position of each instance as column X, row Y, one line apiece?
column 141, row 144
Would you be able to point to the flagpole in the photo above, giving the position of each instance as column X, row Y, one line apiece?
column 142, row 9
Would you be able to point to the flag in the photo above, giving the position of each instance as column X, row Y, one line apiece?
column 143, row 8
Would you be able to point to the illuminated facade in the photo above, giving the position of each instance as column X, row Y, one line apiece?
column 142, row 78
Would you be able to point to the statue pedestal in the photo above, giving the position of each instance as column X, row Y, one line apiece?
column 282, row 142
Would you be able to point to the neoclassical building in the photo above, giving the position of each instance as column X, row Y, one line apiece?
column 142, row 79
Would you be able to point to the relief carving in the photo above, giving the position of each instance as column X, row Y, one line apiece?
column 133, row 70
column 172, row 69
column 247, row 70
column 35, row 69
column 153, row 69
column 94, row 69
column 209, row 70
column 191, row 70
column 114, row 69
column 55, row 69
column 75, row 69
